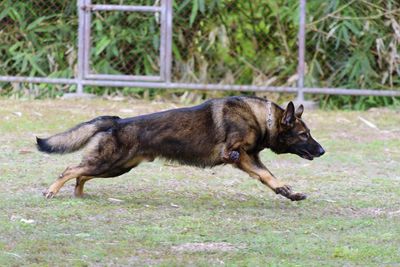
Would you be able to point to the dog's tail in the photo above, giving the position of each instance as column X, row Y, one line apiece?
column 77, row 137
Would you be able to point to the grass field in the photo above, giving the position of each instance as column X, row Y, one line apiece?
column 167, row 215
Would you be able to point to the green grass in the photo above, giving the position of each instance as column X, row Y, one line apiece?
column 177, row 215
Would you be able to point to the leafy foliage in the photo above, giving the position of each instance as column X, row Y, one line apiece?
column 354, row 44
column 350, row 44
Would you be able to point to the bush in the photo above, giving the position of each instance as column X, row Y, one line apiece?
column 350, row 44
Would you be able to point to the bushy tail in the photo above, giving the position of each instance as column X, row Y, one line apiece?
column 77, row 137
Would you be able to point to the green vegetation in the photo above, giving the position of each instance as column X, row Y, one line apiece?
column 350, row 44
column 178, row 216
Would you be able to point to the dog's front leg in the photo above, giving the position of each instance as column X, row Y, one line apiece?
column 230, row 152
column 254, row 167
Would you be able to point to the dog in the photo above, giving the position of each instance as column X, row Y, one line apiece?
column 230, row 130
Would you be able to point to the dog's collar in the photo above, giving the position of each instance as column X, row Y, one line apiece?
column 269, row 115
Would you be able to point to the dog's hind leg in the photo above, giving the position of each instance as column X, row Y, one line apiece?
column 80, row 182
column 114, row 171
column 68, row 174
column 103, row 158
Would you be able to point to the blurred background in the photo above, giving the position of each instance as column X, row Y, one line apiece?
column 349, row 44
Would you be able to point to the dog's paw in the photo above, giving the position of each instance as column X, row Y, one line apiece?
column 297, row 196
column 47, row 194
column 285, row 190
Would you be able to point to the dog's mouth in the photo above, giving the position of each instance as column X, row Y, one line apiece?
column 306, row 155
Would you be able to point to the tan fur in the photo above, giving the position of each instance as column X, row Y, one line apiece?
column 136, row 161
column 80, row 183
column 77, row 137
column 259, row 110
column 217, row 107
column 68, row 174
column 220, row 149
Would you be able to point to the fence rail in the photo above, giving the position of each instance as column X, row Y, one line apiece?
column 163, row 14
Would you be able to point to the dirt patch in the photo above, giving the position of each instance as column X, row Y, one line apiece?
column 208, row 247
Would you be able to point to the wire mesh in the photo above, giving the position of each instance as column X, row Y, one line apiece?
column 349, row 44
column 38, row 38
column 230, row 42
column 127, row 2
column 353, row 44
column 125, row 43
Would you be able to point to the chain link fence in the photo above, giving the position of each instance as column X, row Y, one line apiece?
column 125, row 43
column 217, row 42
column 233, row 42
column 38, row 38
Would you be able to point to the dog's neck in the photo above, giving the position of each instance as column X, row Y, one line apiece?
column 269, row 115
column 271, row 122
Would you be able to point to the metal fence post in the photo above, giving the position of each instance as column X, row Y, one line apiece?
column 302, row 48
column 87, row 42
column 81, row 45
column 168, row 48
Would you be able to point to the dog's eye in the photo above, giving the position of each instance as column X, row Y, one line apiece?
column 304, row 135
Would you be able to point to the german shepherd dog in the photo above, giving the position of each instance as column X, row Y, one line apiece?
column 229, row 130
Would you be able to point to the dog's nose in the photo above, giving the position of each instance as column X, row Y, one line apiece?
column 321, row 151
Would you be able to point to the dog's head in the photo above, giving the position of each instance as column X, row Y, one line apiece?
column 294, row 136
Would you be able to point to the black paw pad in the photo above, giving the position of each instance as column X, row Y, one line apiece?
column 234, row 156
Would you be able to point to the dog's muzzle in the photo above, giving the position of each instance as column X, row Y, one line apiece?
column 321, row 151
column 310, row 155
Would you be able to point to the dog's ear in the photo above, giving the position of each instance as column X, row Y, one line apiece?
column 299, row 111
column 288, row 115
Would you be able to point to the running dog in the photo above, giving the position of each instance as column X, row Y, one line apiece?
column 230, row 130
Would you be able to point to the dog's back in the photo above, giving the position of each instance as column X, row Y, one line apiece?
column 187, row 135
